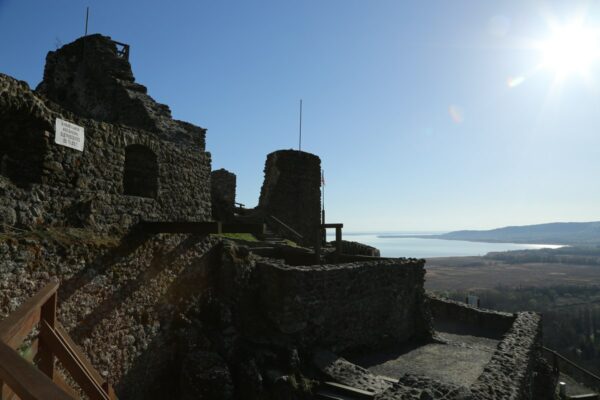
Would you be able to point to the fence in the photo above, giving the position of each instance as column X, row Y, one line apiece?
column 19, row 376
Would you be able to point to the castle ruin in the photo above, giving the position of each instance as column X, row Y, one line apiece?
column 198, row 316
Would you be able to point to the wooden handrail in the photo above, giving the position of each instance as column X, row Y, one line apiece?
column 28, row 382
column 15, row 327
column 286, row 227
column 19, row 377
column 72, row 363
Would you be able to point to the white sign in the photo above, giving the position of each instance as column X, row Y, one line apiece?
column 70, row 135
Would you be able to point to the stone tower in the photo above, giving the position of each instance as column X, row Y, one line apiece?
column 291, row 191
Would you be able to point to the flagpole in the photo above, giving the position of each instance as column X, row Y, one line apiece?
column 323, row 194
column 300, row 133
column 87, row 15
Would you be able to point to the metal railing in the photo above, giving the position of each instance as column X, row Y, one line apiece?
column 558, row 358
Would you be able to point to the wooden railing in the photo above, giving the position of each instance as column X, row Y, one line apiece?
column 338, row 240
column 287, row 228
column 19, row 377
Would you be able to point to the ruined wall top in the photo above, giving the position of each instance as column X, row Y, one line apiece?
column 91, row 78
column 291, row 191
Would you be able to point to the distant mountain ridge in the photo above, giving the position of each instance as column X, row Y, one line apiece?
column 552, row 233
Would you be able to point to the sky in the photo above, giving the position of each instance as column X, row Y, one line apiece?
column 427, row 116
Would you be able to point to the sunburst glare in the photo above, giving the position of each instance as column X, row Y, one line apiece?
column 572, row 48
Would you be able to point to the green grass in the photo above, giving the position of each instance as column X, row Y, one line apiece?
column 247, row 237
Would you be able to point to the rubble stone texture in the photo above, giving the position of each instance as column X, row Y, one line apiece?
column 345, row 306
column 157, row 312
column 129, row 170
column 89, row 78
column 291, row 191
column 222, row 193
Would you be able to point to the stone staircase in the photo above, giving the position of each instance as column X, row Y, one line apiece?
column 272, row 237
column 337, row 391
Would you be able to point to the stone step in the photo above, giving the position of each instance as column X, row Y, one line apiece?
column 332, row 395
column 334, row 390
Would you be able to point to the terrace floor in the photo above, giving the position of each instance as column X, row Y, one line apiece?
column 457, row 359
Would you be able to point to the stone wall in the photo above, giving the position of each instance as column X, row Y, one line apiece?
column 454, row 316
column 511, row 371
column 357, row 248
column 120, row 300
column 291, row 192
column 42, row 183
column 344, row 306
column 89, row 78
column 222, row 193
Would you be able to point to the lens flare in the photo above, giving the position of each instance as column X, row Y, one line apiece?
column 513, row 82
column 456, row 114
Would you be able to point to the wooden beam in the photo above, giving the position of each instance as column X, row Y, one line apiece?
column 199, row 228
column 79, row 353
column 59, row 380
column 28, row 382
column 338, row 242
column 72, row 363
column 5, row 392
column 286, row 227
column 326, row 226
column 15, row 327
column 48, row 314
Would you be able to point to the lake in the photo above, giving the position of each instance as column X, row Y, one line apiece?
column 426, row 248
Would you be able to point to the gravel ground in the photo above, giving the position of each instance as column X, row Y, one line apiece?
column 454, row 359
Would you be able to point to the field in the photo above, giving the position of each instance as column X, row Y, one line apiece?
column 471, row 273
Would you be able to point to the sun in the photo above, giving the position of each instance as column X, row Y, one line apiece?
column 573, row 48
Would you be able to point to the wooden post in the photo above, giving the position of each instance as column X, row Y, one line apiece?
column 318, row 247
column 48, row 314
column 338, row 243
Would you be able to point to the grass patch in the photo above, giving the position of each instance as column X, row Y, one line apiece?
column 290, row 243
column 247, row 237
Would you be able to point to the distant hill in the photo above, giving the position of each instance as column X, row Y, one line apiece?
column 553, row 233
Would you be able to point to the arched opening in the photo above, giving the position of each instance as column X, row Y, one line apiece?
column 22, row 146
column 140, row 177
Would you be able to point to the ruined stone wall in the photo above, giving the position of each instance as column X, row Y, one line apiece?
column 89, row 78
column 511, row 372
column 222, row 193
column 344, row 306
column 450, row 316
column 120, row 300
column 292, row 191
column 357, row 248
column 88, row 188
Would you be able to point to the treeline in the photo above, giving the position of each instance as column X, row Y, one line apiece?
column 571, row 316
column 581, row 255
column 557, row 233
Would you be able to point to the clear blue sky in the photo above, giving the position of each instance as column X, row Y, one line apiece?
column 406, row 103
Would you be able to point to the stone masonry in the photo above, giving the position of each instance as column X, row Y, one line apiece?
column 128, row 170
column 222, row 193
column 291, row 191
